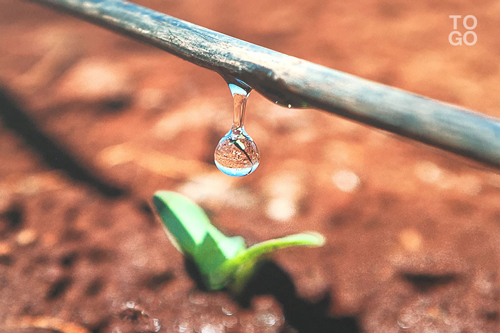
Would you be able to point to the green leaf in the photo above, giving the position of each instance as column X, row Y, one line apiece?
column 231, row 246
column 192, row 231
column 241, row 266
column 311, row 239
column 208, row 255
column 185, row 221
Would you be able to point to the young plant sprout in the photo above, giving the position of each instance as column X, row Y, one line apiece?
column 222, row 261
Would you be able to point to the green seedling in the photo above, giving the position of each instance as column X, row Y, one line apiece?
column 222, row 261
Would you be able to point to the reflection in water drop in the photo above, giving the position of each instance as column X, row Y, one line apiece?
column 236, row 154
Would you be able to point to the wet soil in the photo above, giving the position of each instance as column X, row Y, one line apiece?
column 92, row 124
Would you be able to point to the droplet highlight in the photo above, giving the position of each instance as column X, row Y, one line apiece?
column 237, row 154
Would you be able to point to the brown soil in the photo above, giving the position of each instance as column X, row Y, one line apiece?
column 92, row 124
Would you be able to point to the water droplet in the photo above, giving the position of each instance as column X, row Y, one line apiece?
column 227, row 310
column 211, row 328
column 198, row 298
column 230, row 321
column 237, row 154
column 139, row 318
column 156, row 325
column 266, row 319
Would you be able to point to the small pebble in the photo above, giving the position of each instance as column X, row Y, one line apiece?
column 151, row 99
column 96, row 80
column 285, row 192
column 26, row 237
column 281, row 209
column 494, row 179
column 263, row 303
column 469, row 184
column 410, row 239
column 428, row 172
column 216, row 190
column 210, row 328
column 198, row 298
column 49, row 240
column 5, row 200
column 230, row 321
column 5, row 249
column 346, row 180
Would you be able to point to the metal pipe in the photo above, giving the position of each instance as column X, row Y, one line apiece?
column 295, row 82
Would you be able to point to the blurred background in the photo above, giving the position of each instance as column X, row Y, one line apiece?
column 93, row 123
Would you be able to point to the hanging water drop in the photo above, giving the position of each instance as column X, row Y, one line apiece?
column 236, row 154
